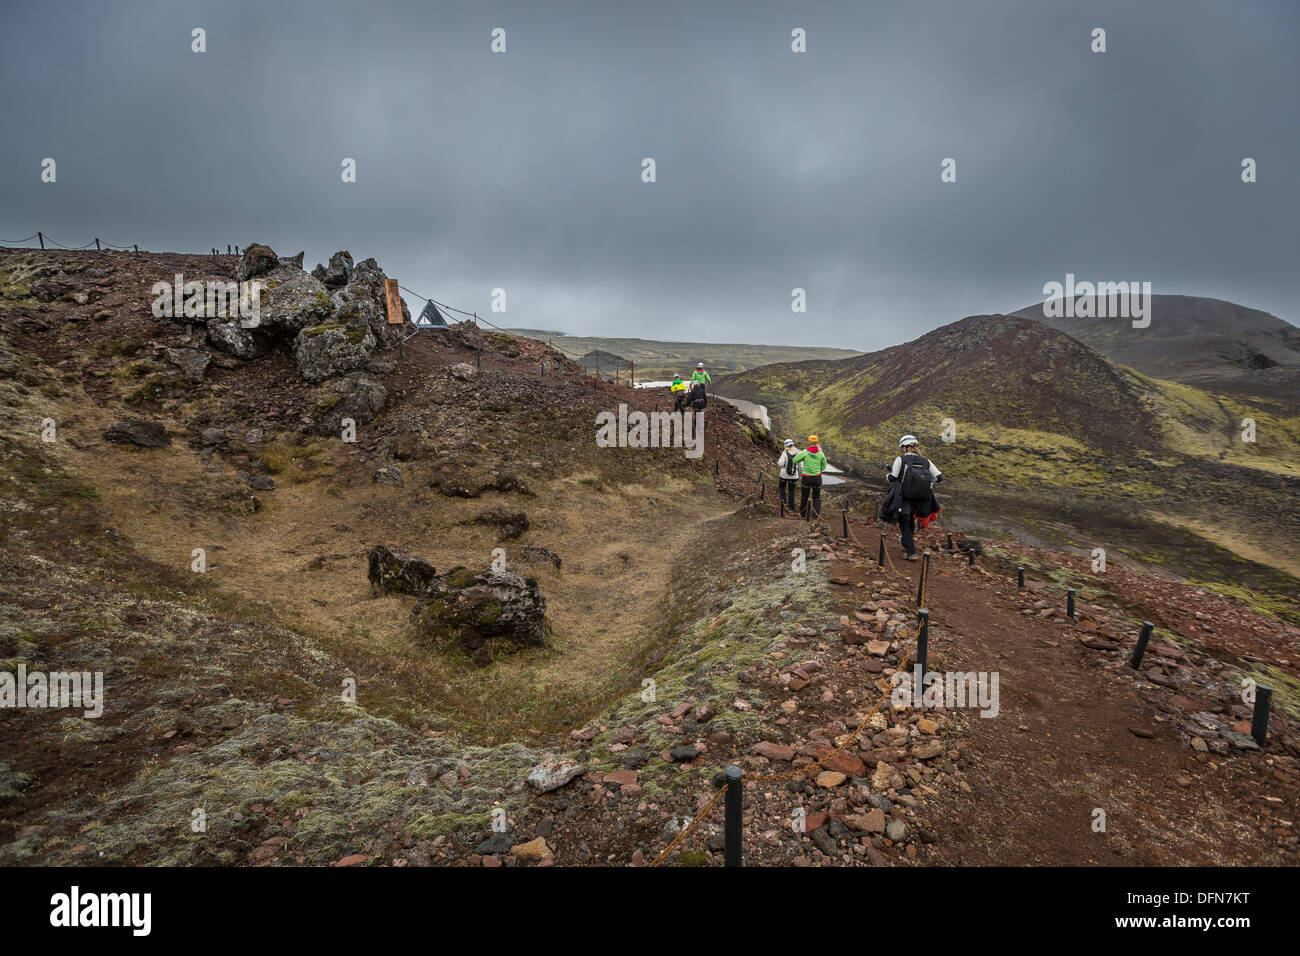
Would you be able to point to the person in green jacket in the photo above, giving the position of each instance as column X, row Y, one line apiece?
column 700, row 378
column 814, row 463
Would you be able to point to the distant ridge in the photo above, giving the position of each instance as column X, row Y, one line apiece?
column 1210, row 343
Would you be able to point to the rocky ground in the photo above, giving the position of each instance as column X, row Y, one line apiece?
column 682, row 625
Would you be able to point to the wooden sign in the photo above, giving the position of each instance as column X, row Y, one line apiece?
column 393, row 300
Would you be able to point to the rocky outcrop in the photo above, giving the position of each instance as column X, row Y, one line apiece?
column 136, row 431
column 475, row 611
column 481, row 611
column 335, row 318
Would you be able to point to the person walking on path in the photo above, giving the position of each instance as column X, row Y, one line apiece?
column 788, row 472
column 813, row 463
column 911, row 498
column 678, row 389
column 701, row 378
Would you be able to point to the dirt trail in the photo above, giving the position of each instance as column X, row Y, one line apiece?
column 1061, row 747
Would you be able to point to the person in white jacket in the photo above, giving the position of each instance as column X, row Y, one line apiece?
column 789, row 472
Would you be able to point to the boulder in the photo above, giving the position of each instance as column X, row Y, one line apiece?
column 136, row 431
column 392, row 572
column 332, row 349
column 480, row 611
column 553, row 774
column 292, row 301
column 357, row 396
column 193, row 363
column 509, row 522
column 239, row 342
column 535, row 553
column 257, row 260
column 389, row 474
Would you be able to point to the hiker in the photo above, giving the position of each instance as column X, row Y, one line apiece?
column 701, row 378
column 678, row 389
column 788, row 472
column 911, row 498
column 812, row 463
column 697, row 399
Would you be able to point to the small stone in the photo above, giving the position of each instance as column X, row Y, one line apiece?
column 830, row 778
column 535, row 849
column 773, row 751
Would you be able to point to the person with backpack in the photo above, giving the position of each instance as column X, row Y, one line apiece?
column 788, row 473
column 678, row 389
column 812, row 462
column 911, row 498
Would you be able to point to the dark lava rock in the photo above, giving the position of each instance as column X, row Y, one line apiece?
column 478, row 611
column 136, row 431
column 394, row 573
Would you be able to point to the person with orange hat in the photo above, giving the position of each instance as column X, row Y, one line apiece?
column 813, row 461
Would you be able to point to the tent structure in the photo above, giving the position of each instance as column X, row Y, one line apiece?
column 431, row 317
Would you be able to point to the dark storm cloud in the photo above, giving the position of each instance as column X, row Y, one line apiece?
column 775, row 170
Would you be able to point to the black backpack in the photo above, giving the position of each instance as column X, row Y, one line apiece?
column 697, row 396
column 789, row 463
column 918, row 483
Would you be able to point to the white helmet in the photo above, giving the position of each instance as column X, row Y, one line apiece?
column 700, row 365
column 789, row 441
column 907, row 440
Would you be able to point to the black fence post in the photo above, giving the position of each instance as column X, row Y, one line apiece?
column 1259, row 720
column 1069, row 602
column 922, row 642
column 41, row 236
column 1142, row 644
column 735, row 801
column 781, row 497
column 97, row 249
column 762, row 490
column 1020, row 578
column 920, row 584
column 881, row 560
column 844, row 513
column 970, row 557
column 137, row 250
column 950, row 547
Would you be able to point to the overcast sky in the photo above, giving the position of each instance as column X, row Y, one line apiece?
column 820, row 170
